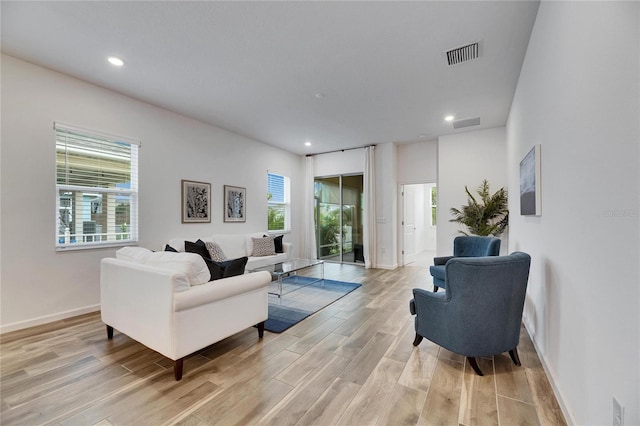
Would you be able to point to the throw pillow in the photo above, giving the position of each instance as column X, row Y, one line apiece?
column 198, row 247
column 169, row 248
column 263, row 246
column 215, row 251
column 215, row 269
column 234, row 267
column 226, row 269
column 277, row 242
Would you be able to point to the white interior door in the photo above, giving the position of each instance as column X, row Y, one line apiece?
column 409, row 224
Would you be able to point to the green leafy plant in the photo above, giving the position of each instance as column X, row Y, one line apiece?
column 489, row 216
column 275, row 218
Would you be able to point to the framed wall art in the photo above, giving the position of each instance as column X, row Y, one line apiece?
column 196, row 202
column 235, row 204
column 530, row 184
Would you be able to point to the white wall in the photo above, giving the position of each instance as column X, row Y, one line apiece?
column 578, row 96
column 339, row 163
column 466, row 159
column 40, row 284
column 418, row 162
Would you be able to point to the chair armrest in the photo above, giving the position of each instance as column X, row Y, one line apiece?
column 431, row 311
column 442, row 260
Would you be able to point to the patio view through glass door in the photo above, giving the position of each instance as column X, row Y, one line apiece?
column 338, row 216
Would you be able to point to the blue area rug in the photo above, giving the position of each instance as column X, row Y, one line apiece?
column 301, row 299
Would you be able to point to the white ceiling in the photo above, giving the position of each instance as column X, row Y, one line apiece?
column 255, row 67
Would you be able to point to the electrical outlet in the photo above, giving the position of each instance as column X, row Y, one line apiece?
column 618, row 413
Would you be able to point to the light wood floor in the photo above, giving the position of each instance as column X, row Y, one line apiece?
column 352, row 363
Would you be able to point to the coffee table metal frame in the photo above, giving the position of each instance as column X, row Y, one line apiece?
column 291, row 267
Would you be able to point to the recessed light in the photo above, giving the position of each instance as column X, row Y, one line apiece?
column 449, row 118
column 320, row 95
column 115, row 61
column 423, row 136
column 307, row 143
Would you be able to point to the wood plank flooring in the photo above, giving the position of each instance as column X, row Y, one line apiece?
column 352, row 363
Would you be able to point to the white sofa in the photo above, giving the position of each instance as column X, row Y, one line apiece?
column 239, row 245
column 165, row 301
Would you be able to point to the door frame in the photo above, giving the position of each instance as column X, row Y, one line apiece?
column 401, row 215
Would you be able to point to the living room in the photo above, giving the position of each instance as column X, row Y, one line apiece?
column 576, row 96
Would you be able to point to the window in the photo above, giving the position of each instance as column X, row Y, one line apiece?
column 434, row 199
column 278, row 203
column 96, row 189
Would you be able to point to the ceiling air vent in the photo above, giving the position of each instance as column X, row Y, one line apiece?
column 463, row 54
column 458, row 124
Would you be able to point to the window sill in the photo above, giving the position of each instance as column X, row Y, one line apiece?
column 89, row 246
column 279, row 232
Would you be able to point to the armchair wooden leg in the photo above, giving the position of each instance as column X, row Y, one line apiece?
column 417, row 340
column 260, row 329
column 177, row 368
column 513, row 353
column 109, row 332
column 474, row 365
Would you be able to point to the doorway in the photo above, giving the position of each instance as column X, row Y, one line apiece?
column 419, row 205
column 339, row 205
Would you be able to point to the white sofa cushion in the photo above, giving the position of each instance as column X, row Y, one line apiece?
column 190, row 264
column 132, row 254
column 233, row 245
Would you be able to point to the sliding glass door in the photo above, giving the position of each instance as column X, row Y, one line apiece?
column 338, row 214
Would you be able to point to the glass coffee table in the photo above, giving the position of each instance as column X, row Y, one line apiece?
column 290, row 268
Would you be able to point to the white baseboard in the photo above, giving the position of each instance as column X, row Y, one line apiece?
column 389, row 267
column 47, row 319
column 568, row 415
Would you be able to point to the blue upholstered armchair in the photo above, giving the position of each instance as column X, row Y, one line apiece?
column 468, row 246
column 480, row 312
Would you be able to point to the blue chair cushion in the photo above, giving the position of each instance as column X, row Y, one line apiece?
column 438, row 272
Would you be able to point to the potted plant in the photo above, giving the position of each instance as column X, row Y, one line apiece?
column 488, row 216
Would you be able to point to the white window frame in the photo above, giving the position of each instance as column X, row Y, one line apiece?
column 286, row 205
column 433, row 205
column 63, row 241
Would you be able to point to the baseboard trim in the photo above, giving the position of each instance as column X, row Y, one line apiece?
column 47, row 319
column 389, row 267
column 568, row 415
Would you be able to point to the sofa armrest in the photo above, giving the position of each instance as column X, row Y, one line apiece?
column 137, row 300
column 222, row 289
column 287, row 248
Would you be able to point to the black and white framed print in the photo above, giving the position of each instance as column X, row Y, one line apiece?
column 196, row 202
column 235, row 204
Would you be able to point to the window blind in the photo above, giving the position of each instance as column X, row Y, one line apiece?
column 96, row 188
column 278, row 202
